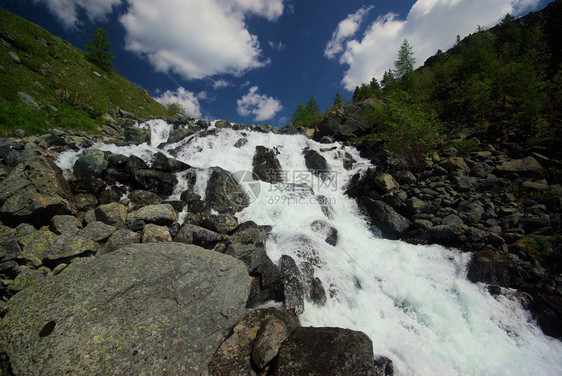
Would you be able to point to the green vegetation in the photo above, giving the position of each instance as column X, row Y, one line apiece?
column 537, row 246
column 175, row 108
column 465, row 147
column 306, row 116
column 61, row 80
column 98, row 50
column 409, row 130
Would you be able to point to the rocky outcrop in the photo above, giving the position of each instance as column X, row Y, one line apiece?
column 345, row 123
column 325, row 351
column 266, row 166
column 154, row 309
column 224, row 193
column 385, row 218
column 34, row 192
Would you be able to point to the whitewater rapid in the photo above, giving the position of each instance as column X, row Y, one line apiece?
column 414, row 302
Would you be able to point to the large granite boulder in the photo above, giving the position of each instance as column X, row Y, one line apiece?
column 34, row 192
column 266, row 166
column 383, row 216
column 91, row 164
column 325, row 351
column 146, row 309
column 525, row 165
column 224, row 193
column 345, row 123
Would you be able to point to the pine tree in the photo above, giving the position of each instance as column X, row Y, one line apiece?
column 388, row 79
column 98, row 50
column 337, row 100
column 404, row 64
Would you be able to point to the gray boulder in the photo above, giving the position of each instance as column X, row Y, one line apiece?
column 525, row 165
column 162, row 214
column 121, row 238
column 266, row 166
column 326, row 352
column 293, row 286
column 383, row 216
column 154, row 309
column 114, row 214
column 35, row 191
column 315, row 162
column 345, row 123
column 224, row 193
column 92, row 164
column 191, row 234
column 137, row 135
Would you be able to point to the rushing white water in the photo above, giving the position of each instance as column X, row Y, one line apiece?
column 414, row 302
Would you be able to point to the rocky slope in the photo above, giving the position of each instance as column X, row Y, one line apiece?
column 98, row 276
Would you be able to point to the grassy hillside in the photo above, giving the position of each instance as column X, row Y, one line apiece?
column 71, row 92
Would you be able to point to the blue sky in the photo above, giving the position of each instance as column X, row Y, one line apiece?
column 254, row 61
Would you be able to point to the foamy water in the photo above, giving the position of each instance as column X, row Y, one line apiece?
column 414, row 302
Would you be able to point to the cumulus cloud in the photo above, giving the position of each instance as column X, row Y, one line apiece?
column 346, row 29
column 430, row 25
column 195, row 38
column 187, row 99
column 67, row 10
column 262, row 106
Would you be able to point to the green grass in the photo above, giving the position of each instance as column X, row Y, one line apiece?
column 465, row 147
column 59, row 75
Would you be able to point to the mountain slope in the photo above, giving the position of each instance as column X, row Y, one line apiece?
column 69, row 91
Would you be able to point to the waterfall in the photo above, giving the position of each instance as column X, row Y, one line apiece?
column 414, row 302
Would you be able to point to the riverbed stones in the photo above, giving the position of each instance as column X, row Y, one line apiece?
column 154, row 309
column 161, row 214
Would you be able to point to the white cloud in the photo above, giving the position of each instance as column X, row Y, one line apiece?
column 195, row 38
column 262, row 106
column 430, row 25
column 187, row 99
column 67, row 10
column 346, row 29
column 220, row 84
column 277, row 46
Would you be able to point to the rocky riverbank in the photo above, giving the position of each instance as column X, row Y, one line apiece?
column 99, row 276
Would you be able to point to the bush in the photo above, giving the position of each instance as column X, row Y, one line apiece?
column 409, row 131
column 175, row 108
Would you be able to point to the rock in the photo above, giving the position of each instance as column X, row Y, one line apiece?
column 161, row 183
column 384, row 366
column 249, row 254
column 26, row 278
column 407, row 177
column 452, row 220
column 233, row 358
column 35, row 191
column 447, row 235
column 345, row 123
column 154, row 309
column 162, row 214
column 386, row 183
column 222, row 124
column 316, row 292
column 384, row 217
column 35, row 246
column 65, row 225
column 121, row 238
column 15, row 57
column 266, row 166
column 241, row 142
column 92, row 164
column 525, row 165
column 97, row 231
column 137, row 135
column 191, row 234
column 325, row 351
column 65, row 248
column 271, row 335
column 29, row 100
column 324, row 227
column 113, row 214
column 497, row 269
column 471, row 212
column 167, row 164
column 221, row 223
column 292, row 285
column 315, row 162
column 141, row 198
column 247, row 233
column 455, row 164
column 549, row 313
column 224, row 193
column 154, row 234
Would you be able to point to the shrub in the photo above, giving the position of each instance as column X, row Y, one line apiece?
column 175, row 108
column 409, row 131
